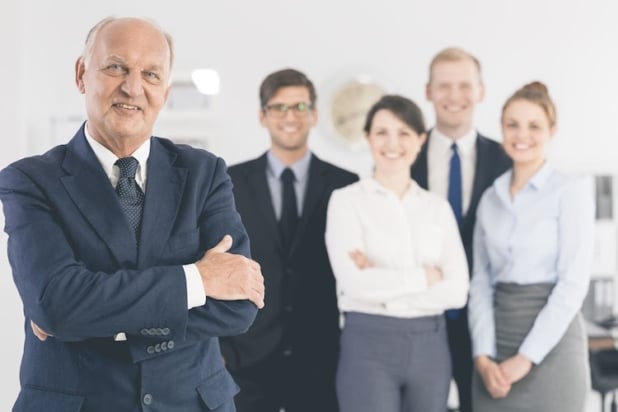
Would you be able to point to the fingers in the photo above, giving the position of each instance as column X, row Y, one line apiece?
column 499, row 392
column 257, row 289
column 495, row 381
column 515, row 368
column 228, row 276
column 499, row 385
column 38, row 332
column 223, row 246
column 257, row 299
column 359, row 258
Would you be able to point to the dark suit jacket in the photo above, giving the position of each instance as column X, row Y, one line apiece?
column 300, row 312
column 82, row 279
column 491, row 162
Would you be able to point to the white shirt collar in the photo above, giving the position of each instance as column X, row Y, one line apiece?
column 107, row 159
column 465, row 144
column 370, row 184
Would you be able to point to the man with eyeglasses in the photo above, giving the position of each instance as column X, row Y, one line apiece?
column 288, row 359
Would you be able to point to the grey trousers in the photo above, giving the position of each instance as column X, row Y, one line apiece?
column 389, row 364
column 561, row 381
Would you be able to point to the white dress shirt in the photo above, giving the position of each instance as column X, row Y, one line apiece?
column 195, row 288
column 438, row 164
column 399, row 236
column 542, row 235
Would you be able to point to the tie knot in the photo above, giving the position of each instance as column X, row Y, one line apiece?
column 127, row 166
column 454, row 148
column 288, row 176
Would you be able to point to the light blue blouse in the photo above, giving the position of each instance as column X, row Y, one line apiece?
column 544, row 234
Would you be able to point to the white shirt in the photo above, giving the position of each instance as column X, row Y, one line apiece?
column 399, row 236
column 439, row 154
column 195, row 288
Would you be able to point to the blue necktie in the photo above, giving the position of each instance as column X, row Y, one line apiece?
column 454, row 198
column 289, row 208
column 454, row 184
column 129, row 193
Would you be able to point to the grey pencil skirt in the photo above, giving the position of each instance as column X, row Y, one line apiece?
column 561, row 381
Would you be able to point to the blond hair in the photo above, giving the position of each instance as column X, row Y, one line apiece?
column 453, row 54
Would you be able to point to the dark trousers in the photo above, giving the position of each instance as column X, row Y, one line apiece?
column 461, row 358
column 286, row 382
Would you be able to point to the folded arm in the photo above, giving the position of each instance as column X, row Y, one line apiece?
column 72, row 300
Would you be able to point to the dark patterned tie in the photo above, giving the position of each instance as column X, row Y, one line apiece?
column 289, row 209
column 454, row 198
column 129, row 193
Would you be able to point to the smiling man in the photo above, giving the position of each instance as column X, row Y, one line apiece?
column 126, row 249
column 288, row 357
column 458, row 163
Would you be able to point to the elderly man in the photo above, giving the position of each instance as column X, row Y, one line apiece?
column 126, row 249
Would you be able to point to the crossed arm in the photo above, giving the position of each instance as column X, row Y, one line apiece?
column 66, row 297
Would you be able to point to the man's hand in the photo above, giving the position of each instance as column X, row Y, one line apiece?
column 227, row 276
column 516, row 367
column 38, row 332
column 496, row 383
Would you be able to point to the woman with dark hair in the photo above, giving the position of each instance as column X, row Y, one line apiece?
column 532, row 261
column 399, row 264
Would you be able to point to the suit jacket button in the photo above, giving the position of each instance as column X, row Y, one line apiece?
column 152, row 331
column 150, row 350
column 287, row 352
column 147, row 399
column 170, row 344
column 144, row 332
column 166, row 331
column 158, row 347
column 163, row 345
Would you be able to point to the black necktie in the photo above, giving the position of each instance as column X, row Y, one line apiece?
column 454, row 198
column 289, row 209
column 129, row 193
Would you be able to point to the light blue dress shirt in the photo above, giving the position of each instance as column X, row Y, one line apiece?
column 542, row 235
column 274, row 169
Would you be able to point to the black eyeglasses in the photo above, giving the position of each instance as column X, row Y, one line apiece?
column 280, row 109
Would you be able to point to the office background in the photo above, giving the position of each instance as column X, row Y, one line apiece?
column 570, row 45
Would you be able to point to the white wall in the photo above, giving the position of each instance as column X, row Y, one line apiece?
column 570, row 45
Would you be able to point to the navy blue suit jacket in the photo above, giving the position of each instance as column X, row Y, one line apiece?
column 82, row 279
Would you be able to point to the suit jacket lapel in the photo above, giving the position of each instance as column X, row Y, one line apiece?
column 313, row 193
column 92, row 193
column 263, row 200
column 419, row 168
column 480, row 175
column 164, row 189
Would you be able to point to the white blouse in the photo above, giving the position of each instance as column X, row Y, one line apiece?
column 399, row 236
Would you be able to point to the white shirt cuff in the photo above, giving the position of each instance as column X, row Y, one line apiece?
column 195, row 289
